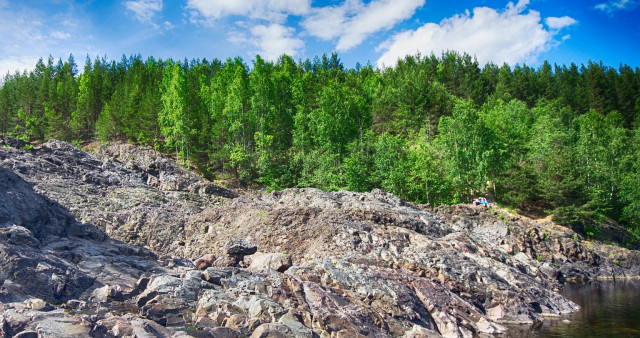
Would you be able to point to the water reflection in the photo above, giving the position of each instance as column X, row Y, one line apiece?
column 609, row 309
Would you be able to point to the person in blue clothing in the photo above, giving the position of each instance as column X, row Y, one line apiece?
column 481, row 201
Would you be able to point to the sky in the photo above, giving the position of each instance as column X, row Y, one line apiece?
column 365, row 31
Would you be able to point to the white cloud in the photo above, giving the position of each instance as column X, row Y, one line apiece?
column 16, row 63
column 510, row 36
column 28, row 33
column 560, row 23
column 168, row 25
column 271, row 10
column 618, row 5
column 60, row 35
column 272, row 41
column 354, row 21
column 144, row 10
column 21, row 38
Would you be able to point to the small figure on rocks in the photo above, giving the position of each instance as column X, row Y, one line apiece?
column 481, row 201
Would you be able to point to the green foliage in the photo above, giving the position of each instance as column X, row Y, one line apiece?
column 466, row 145
column 390, row 164
column 583, row 218
column 551, row 157
column 630, row 187
column 591, row 230
column 432, row 129
column 359, row 164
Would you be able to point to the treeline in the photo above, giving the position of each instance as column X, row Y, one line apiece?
column 431, row 129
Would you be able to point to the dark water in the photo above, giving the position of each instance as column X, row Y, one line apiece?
column 609, row 309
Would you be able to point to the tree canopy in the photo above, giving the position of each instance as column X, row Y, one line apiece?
column 432, row 129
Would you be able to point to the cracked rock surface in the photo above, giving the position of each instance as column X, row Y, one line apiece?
column 127, row 243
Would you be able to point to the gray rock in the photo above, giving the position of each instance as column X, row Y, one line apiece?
column 205, row 261
column 18, row 235
column 297, row 328
column 224, row 332
column 355, row 264
column 37, row 304
column 211, row 299
column 128, row 326
column 272, row 331
column 240, row 248
column 215, row 275
column 265, row 261
column 27, row 334
column 421, row 332
column 12, row 142
column 58, row 324
column 47, row 251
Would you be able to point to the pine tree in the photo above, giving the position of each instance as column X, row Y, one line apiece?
column 174, row 123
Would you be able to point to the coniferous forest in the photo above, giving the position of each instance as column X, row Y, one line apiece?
column 432, row 129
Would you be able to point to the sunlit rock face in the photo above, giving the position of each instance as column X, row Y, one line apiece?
column 126, row 242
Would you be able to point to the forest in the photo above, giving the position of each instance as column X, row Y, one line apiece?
column 432, row 129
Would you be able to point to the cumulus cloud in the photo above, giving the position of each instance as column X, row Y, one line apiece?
column 21, row 38
column 28, row 33
column 144, row 10
column 511, row 36
column 354, row 21
column 271, row 10
column 560, row 23
column 613, row 6
column 274, row 40
column 60, row 35
column 168, row 25
column 271, row 39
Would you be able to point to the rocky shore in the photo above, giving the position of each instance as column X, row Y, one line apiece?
column 124, row 242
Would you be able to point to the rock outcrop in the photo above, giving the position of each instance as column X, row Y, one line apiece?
column 46, row 253
column 143, row 200
column 127, row 243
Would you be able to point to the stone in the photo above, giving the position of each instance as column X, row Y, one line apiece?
column 142, row 284
column 166, row 311
column 224, row 332
column 127, row 326
column 240, row 248
column 18, row 235
column 215, row 275
column 75, row 304
column 272, row 331
column 297, row 328
column 103, row 294
column 242, row 323
column 37, row 304
column 420, row 332
column 205, row 322
column 263, row 309
column 57, row 324
column 205, row 261
column 210, row 299
column 264, row 261
column 349, row 264
column 227, row 261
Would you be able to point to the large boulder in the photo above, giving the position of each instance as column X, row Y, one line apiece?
column 265, row 261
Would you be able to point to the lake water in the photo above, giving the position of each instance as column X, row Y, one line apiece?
column 609, row 309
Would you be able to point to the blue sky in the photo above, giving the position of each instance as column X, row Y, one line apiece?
column 375, row 31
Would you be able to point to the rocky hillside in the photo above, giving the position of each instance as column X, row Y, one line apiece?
column 124, row 242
